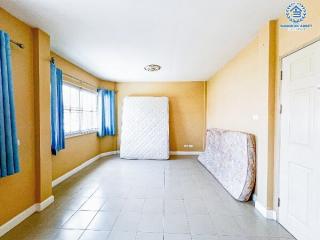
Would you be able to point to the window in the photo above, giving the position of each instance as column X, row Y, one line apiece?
column 80, row 110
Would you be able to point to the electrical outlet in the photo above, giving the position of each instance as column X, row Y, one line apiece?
column 188, row 146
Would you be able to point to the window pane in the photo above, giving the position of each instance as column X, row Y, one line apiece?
column 88, row 121
column 88, row 100
column 74, row 98
column 66, row 96
column 94, row 120
column 80, row 114
column 74, row 121
column 85, row 124
column 67, row 127
column 85, row 100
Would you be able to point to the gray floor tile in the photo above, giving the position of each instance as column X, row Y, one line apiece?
column 80, row 220
column 103, row 221
column 176, row 223
column 195, row 206
column 115, row 199
column 149, row 236
column 95, row 235
column 226, row 225
column 93, row 204
column 64, row 234
column 133, row 205
column 174, row 207
column 153, row 205
column 201, row 224
column 113, row 204
column 151, row 223
column 177, row 237
column 205, row 237
column 128, row 222
column 117, row 235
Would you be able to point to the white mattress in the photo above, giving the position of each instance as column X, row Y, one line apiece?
column 145, row 128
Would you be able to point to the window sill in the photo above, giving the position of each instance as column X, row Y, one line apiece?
column 78, row 134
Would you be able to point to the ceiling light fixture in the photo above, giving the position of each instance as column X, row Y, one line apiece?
column 152, row 67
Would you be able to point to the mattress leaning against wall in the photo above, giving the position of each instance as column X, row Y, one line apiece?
column 145, row 128
column 231, row 157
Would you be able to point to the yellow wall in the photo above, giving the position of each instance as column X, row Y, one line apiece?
column 249, row 84
column 41, row 58
column 17, row 192
column 238, row 99
column 80, row 148
column 187, row 109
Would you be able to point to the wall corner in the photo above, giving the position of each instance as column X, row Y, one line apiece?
column 41, row 58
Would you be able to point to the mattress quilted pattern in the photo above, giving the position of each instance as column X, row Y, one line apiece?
column 145, row 128
column 230, row 157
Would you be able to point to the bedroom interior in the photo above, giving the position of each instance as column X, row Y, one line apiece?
column 139, row 123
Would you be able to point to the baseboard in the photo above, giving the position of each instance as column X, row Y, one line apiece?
column 180, row 153
column 17, row 220
column 105, row 154
column 185, row 153
column 267, row 213
column 80, row 167
column 38, row 207
column 43, row 205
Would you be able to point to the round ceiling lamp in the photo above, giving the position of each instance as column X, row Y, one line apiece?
column 152, row 67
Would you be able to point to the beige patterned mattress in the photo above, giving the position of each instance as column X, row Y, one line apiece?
column 231, row 157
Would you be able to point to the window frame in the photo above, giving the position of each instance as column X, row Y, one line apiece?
column 80, row 110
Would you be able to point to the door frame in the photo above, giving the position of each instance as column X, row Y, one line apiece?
column 277, row 120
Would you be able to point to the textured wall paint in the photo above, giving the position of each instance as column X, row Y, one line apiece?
column 80, row 148
column 17, row 192
column 187, row 109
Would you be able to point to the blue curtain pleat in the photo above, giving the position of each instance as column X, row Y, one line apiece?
column 9, row 154
column 106, row 104
column 57, row 122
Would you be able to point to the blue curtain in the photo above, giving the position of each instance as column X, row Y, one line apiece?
column 57, row 124
column 106, row 109
column 9, row 154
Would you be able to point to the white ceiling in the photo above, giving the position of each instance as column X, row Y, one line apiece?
column 116, row 39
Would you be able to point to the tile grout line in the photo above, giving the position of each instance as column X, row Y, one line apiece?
column 86, row 228
column 181, row 179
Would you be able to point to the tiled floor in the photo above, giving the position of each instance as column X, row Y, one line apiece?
column 118, row 199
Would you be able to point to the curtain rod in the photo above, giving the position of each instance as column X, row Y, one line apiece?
column 20, row 45
column 80, row 80
column 52, row 60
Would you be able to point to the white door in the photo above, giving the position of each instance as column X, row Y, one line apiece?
column 299, row 210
